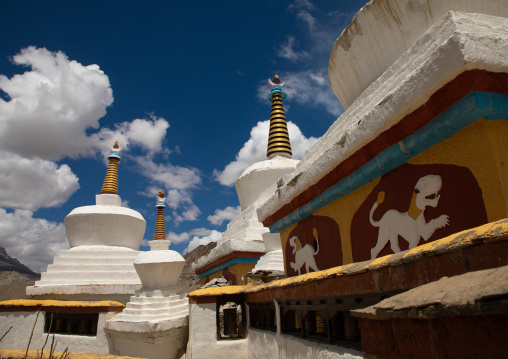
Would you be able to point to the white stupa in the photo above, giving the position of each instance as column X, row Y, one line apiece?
column 257, row 184
column 154, row 323
column 104, row 240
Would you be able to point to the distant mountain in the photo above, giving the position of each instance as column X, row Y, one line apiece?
column 189, row 281
column 13, row 271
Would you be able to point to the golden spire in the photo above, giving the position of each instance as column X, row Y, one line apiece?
column 110, row 185
column 278, row 138
column 160, row 229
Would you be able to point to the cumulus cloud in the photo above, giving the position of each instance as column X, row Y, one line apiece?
column 52, row 106
column 147, row 134
column 226, row 214
column 287, row 50
column 33, row 241
column 203, row 239
column 254, row 150
column 34, row 183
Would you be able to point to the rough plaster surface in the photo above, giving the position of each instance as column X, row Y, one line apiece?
column 23, row 322
column 382, row 31
column 259, row 181
column 454, row 44
column 244, row 234
column 159, row 344
column 263, row 344
column 203, row 341
column 464, row 294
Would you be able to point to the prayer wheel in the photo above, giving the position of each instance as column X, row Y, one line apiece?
column 320, row 324
column 298, row 321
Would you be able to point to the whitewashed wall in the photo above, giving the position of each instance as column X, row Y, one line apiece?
column 263, row 344
column 23, row 322
column 203, row 341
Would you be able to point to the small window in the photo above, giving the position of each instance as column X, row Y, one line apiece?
column 71, row 323
column 230, row 321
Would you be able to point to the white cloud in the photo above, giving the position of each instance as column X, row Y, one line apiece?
column 191, row 213
column 168, row 175
column 186, row 236
column 51, row 106
column 33, row 241
column 34, row 183
column 177, row 238
column 301, row 7
column 148, row 134
column 254, row 150
column 212, row 236
column 177, row 182
column 287, row 51
column 226, row 214
column 309, row 87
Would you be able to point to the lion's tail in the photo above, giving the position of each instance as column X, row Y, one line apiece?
column 315, row 233
column 380, row 199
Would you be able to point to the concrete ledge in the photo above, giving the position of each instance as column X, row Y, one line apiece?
column 476, row 293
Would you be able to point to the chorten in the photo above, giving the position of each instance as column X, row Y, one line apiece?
column 158, row 311
column 104, row 240
column 243, row 243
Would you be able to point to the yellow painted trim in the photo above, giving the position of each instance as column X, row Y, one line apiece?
column 10, row 353
column 58, row 303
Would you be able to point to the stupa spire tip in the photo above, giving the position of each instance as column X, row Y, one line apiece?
column 160, row 229
column 110, row 184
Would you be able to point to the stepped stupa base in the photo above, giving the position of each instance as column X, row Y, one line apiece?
column 154, row 324
column 89, row 273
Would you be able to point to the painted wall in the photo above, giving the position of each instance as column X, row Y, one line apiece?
column 23, row 322
column 233, row 274
column 203, row 341
column 459, row 183
column 263, row 344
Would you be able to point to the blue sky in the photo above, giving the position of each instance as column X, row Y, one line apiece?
column 182, row 87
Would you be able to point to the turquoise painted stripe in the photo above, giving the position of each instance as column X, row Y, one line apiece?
column 475, row 105
column 227, row 264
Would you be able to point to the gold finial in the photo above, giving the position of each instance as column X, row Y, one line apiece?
column 110, row 185
column 278, row 137
column 160, row 229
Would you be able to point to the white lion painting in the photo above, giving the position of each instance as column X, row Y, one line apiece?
column 409, row 225
column 305, row 255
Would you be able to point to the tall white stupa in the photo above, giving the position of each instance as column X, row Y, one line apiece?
column 247, row 245
column 104, row 240
column 154, row 323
